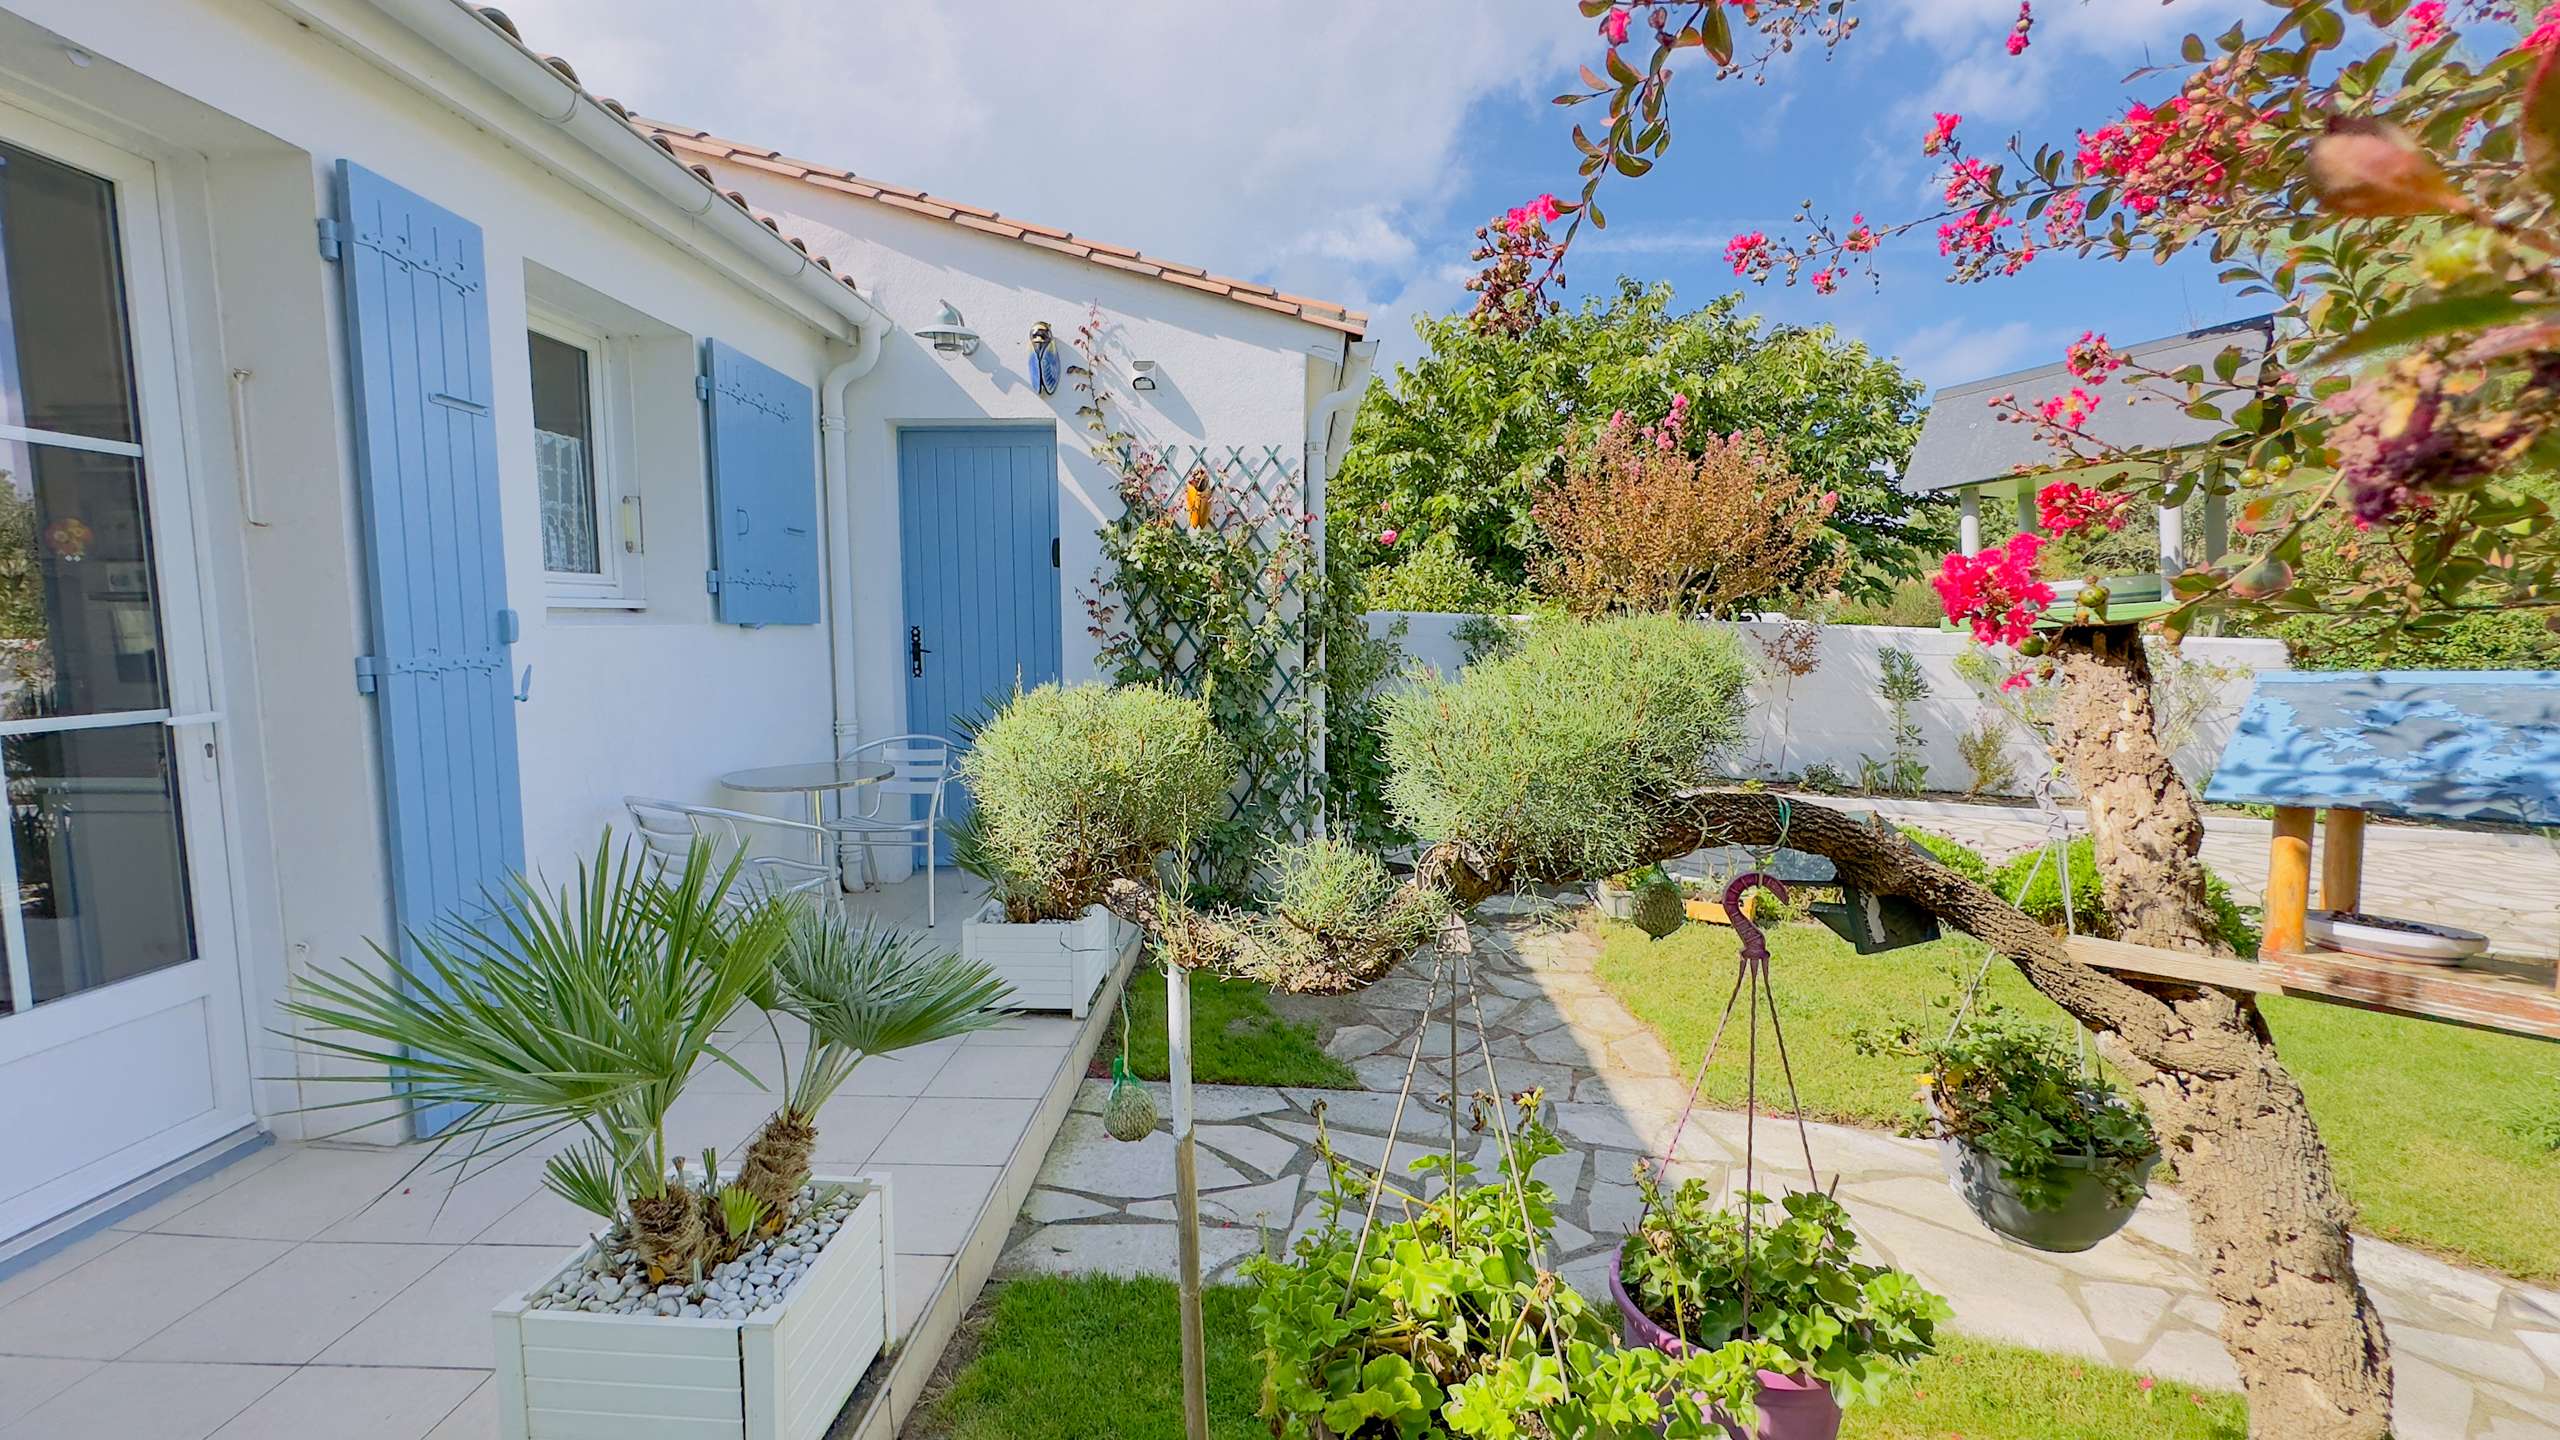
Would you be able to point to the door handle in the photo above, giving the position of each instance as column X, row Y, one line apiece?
column 915, row 650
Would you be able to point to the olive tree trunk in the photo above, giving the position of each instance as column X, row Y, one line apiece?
column 2254, row 1170
column 2142, row 818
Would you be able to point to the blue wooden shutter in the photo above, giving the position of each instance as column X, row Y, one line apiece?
column 764, row 498
column 417, row 309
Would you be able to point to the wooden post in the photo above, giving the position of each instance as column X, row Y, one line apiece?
column 2288, row 882
column 1186, row 1201
column 2341, row 859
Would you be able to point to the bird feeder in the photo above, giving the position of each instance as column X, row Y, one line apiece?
column 1872, row 923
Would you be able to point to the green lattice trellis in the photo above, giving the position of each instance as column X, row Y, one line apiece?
column 1222, row 603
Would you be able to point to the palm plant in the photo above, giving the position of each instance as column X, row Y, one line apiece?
column 583, row 1010
column 862, row 992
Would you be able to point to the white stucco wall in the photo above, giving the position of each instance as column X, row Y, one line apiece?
column 1229, row 375
column 247, row 112
column 1833, row 715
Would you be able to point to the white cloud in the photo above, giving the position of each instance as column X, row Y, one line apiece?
column 1308, row 144
column 1951, row 353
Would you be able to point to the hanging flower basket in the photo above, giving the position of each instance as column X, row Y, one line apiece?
column 1792, row 1407
column 2089, row 1209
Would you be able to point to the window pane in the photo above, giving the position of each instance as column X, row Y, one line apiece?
column 79, row 622
column 102, row 881
column 63, row 364
column 564, row 456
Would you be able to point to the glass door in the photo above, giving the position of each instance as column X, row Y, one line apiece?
column 101, row 1013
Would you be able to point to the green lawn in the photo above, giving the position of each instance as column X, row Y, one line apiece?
column 2442, row 1136
column 1071, row 1359
column 1236, row 1038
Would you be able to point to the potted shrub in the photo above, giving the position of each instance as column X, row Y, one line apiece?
column 1076, row 787
column 1444, row 1321
column 1840, row 1330
column 747, row 1301
column 2045, row 1151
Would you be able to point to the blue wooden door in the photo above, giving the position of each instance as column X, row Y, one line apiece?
column 978, row 550
column 417, row 313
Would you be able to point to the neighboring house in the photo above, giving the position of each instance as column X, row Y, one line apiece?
column 1967, row 448
column 361, row 539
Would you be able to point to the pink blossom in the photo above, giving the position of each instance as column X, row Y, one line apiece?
column 2018, row 32
column 1750, row 254
column 1386, row 537
column 1940, row 132
column 1970, row 176
column 1862, row 238
column 1995, row 593
column 2090, row 358
column 2426, row 23
column 2546, row 33
column 1825, row 280
column 2017, row 680
column 2063, row 506
column 1613, row 27
column 2070, row 408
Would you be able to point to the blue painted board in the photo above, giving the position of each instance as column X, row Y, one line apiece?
column 2451, row 745
column 764, row 491
column 417, row 317
column 977, row 547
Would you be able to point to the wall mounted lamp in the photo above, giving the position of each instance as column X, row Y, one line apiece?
column 949, row 333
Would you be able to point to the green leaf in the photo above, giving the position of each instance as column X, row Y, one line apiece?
column 2540, row 124
column 2449, row 315
column 1719, row 35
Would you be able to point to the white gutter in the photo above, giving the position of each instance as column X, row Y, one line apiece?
column 836, row 499
column 1342, row 402
column 479, row 43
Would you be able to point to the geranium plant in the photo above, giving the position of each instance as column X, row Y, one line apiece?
column 2012, row 1089
column 1795, row 1283
column 1444, row 1320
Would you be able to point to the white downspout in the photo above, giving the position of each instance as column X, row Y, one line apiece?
column 836, row 496
column 1352, row 386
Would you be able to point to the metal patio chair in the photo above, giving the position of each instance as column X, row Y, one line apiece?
column 669, row 828
column 920, row 768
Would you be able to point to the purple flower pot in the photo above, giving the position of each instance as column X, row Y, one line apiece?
column 1792, row 1407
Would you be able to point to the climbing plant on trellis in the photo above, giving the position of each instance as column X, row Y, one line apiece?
column 1204, row 588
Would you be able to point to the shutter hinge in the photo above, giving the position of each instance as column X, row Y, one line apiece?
column 711, row 581
column 329, row 246
column 367, row 668
column 1053, row 552
column 702, row 387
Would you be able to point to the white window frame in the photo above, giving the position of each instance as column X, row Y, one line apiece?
column 620, row 541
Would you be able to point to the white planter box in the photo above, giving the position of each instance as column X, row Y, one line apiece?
column 1053, row 964
column 780, row 1374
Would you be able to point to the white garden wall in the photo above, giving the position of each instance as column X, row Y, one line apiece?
column 1835, row 716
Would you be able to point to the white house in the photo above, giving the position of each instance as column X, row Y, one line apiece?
column 408, row 457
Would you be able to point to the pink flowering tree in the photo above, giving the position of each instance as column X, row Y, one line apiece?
column 2386, row 176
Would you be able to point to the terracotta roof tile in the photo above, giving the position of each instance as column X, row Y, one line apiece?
column 685, row 140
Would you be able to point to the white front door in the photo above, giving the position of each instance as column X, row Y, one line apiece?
column 121, row 1044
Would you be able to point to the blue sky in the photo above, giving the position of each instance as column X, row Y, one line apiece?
column 1348, row 148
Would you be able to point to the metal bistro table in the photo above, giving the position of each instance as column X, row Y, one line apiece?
column 814, row 780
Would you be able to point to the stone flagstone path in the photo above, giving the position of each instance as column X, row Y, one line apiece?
column 2477, row 1356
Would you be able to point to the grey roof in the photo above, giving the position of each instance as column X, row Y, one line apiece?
column 1964, row 442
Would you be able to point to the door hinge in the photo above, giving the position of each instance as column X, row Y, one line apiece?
column 702, row 387
column 367, row 669
column 711, row 581
column 329, row 234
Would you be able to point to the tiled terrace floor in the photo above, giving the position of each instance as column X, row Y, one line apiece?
column 308, row 1292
